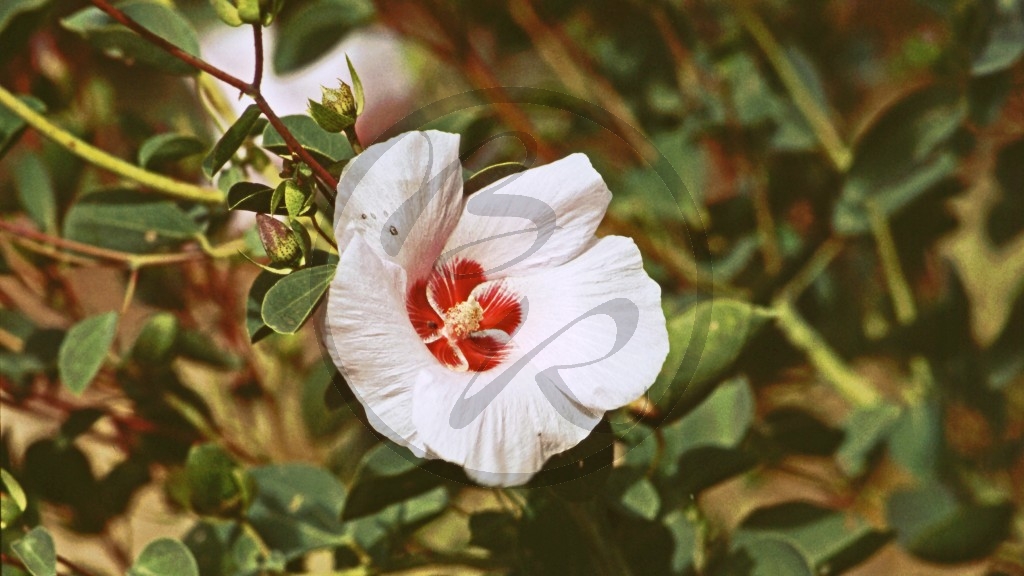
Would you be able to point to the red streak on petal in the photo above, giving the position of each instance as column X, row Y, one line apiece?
column 483, row 353
column 451, row 283
column 422, row 315
column 443, row 350
column 501, row 310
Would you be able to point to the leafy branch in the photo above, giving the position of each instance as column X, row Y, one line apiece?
column 249, row 89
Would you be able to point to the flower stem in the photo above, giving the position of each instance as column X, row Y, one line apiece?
column 804, row 100
column 593, row 527
column 101, row 159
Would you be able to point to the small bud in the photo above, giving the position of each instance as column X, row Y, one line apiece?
column 341, row 100
column 278, row 240
column 336, row 110
column 238, row 12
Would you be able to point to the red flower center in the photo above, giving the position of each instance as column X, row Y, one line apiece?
column 463, row 329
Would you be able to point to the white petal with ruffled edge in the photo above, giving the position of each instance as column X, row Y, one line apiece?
column 536, row 219
column 404, row 196
column 501, row 425
column 372, row 342
column 600, row 317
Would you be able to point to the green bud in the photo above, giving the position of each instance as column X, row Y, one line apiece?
column 238, row 12
column 156, row 341
column 278, row 240
column 336, row 110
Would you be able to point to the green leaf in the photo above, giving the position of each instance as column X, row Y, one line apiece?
column 490, row 175
column 164, row 557
column 915, row 439
column 642, row 499
column 298, row 201
column 252, row 197
column 768, row 557
column 155, row 344
column 84, row 349
column 357, row 86
column 387, row 475
column 35, row 189
column 704, row 342
column 13, row 501
column 1004, row 39
column 37, row 551
column 320, row 422
column 128, row 221
column 313, row 30
column 167, row 148
column 117, row 41
column 685, row 537
column 831, row 541
column 901, row 157
column 12, row 126
column 932, row 525
column 866, row 428
column 720, row 421
column 290, row 301
column 297, row 508
column 254, row 325
column 14, row 489
column 325, row 147
column 9, row 9
column 213, row 486
column 228, row 144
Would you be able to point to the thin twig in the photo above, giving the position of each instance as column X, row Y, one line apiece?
column 28, row 238
column 803, row 98
column 99, row 158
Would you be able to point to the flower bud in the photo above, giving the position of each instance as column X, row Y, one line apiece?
column 278, row 240
column 336, row 110
column 238, row 12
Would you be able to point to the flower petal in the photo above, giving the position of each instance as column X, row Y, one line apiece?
column 500, row 425
column 404, row 196
column 535, row 219
column 370, row 338
column 596, row 323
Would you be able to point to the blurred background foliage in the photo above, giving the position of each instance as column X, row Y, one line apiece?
column 846, row 178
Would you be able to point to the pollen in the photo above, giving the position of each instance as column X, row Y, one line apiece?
column 463, row 318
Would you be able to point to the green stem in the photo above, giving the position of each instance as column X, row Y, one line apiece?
column 593, row 526
column 899, row 289
column 850, row 384
column 805, row 101
column 101, row 159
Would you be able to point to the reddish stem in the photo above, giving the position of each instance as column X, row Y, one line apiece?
column 251, row 90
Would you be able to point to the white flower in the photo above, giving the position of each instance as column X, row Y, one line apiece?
column 494, row 330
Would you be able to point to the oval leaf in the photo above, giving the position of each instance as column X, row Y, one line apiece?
column 704, row 342
column 83, row 350
column 324, row 146
column 290, row 301
column 252, row 197
column 35, row 190
column 37, row 551
column 125, row 220
column 166, row 148
column 117, row 41
column 312, row 31
column 164, row 557
column 228, row 144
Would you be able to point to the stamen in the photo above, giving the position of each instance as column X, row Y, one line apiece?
column 463, row 318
